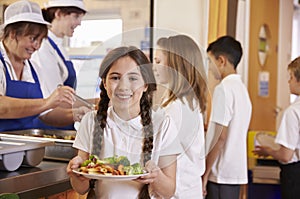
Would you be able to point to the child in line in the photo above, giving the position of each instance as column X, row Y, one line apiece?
column 124, row 126
column 179, row 66
column 226, row 138
column 288, row 138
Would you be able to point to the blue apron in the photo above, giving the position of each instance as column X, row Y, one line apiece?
column 20, row 89
column 71, row 80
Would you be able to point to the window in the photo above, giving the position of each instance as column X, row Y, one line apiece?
column 92, row 32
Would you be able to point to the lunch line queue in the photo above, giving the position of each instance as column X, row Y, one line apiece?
column 115, row 128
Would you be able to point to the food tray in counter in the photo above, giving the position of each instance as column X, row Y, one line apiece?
column 62, row 149
column 16, row 151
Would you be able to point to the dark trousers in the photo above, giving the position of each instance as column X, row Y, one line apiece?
column 290, row 181
column 222, row 191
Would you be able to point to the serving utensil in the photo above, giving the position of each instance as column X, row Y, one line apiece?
column 85, row 102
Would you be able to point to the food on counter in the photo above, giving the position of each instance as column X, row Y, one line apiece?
column 65, row 137
column 9, row 196
column 116, row 165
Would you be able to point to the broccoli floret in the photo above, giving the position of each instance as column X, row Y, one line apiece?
column 117, row 160
column 110, row 160
column 128, row 170
column 123, row 160
column 133, row 169
column 137, row 168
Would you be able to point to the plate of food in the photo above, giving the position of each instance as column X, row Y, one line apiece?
column 108, row 176
column 266, row 139
column 111, row 168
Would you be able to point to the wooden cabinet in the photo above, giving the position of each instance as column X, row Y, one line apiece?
column 69, row 194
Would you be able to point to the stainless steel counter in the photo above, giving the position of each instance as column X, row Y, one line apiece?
column 48, row 178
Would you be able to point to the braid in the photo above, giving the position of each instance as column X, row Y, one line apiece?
column 145, row 103
column 146, row 110
column 100, row 121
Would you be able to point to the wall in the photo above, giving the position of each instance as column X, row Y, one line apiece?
column 242, row 35
column 286, row 11
column 173, row 17
column 267, row 110
column 296, row 31
column 40, row 2
column 188, row 17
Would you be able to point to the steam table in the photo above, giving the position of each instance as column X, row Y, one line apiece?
column 46, row 179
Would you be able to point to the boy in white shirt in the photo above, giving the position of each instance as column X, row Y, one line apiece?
column 288, row 137
column 226, row 162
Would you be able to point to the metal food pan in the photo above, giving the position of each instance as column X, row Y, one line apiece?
column 63, row 140
column 57, row 135
column 17, row 150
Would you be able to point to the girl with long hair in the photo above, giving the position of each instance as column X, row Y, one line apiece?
column 179, row 67
column 124, row 126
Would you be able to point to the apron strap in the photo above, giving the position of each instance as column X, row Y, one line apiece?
column 53, row 44
column 4, row 64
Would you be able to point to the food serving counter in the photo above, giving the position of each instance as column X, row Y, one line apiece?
column 40, row 170
column 46, row 179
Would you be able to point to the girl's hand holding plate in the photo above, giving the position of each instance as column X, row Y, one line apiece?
column 153, row 171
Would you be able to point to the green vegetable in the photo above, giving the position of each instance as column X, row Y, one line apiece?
column 101, row 162
column 117, row 160
column 133, row 169
column 111, row 160
column 123, row 160
column 9, row 196
column 85, row 163
column 137, row 168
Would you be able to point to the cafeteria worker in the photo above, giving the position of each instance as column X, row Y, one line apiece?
column 53, row 64
column 21, row 99
column 64, row 16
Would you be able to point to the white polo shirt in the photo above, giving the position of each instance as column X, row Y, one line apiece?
column 231, row 107
column 190, row 163
column 288, row 134
column 126, row 138
column 49, row 66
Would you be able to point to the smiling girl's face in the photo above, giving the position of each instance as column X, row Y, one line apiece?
column 125, row 86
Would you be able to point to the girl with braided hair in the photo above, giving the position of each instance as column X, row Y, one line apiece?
column 124, row 126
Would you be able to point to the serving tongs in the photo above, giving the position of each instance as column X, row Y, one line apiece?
column 85, row 102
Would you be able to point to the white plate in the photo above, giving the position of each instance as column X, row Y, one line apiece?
column 110, row 177
column 265, row 139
